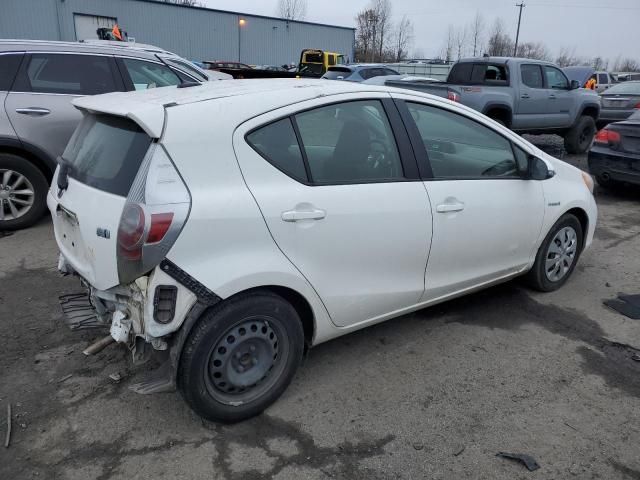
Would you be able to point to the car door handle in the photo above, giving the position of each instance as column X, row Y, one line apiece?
column 297, row 215
column 525, row 95
column 450, row 207
column 37, row 111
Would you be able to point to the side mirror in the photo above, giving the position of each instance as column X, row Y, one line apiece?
column 574, row 85
column 538, row 169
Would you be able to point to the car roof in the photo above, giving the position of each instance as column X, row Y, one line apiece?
column 250, row 97
column 91, row 46
column 504, row 60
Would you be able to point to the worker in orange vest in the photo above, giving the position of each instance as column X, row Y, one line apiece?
column 591, row 84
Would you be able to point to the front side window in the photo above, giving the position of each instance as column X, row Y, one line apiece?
column 149, row 75
column 67, row 74
column 532, row 76
column 277, row 143
column 555, row 78
column 460, row 148
column 349, row 143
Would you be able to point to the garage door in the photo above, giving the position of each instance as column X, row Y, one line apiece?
column 86, row 25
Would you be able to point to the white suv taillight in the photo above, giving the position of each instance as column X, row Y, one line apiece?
column 156, row 210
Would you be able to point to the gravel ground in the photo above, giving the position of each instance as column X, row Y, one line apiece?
column 435, row 394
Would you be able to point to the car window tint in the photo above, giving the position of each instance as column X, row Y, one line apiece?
column 350, row 143
column 149, row 75
column 460, row 73
column 277, row 143
column 67, row 74
column 603, row 78
column 532, row 76
column 332, row 59
column 555, row 78
column 459, row 147
column 366, row 73
column 8, row 68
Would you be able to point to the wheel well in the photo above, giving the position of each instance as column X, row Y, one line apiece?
column 582, row 217
column 591, row 112
column 301, row 306
column 500, row 113
column 34, row 159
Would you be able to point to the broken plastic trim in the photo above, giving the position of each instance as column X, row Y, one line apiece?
column 205, row 296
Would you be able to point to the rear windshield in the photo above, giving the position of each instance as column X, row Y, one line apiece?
column 105, row 152
column 627, row 88
column 335, row 73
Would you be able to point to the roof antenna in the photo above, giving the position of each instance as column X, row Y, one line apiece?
column 183, row 83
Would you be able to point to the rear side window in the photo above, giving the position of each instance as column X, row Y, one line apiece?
column 603, row 78
column 145, row 75
column 277, row 143
column 106, row 152
column 8, row 68
column 337, row 73
column 67, row 74
column 532, row 76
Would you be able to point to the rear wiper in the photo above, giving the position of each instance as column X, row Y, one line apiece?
column 63, row 173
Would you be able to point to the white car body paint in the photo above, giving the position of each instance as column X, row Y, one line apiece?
column 232, row 241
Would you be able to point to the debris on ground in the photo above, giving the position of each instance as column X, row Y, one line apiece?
column 458, row 451
column 627, row 305
column 418, row 446
column 8, row 437
column 527, row 460
column 116, row 377
column 65, row 378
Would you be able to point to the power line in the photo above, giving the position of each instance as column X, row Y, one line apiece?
column 515, row 48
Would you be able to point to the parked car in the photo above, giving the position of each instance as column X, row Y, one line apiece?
column 38, row 80
column 218, row 64
column 614, row 157
column 358, row 72
column 234, row 242
column 528, row 96
column 627, row 76
column 619, row 101
column 582, row 74
column 272, row 68
column 403, row 77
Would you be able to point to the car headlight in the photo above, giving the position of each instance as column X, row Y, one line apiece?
column 588, row 181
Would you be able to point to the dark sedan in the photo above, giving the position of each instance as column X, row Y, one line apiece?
column 614, row 157
column 619, row 101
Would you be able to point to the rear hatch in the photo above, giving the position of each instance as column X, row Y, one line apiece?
column 117, row 201
column 620, row 102
column 629, row 137
column 102, row 160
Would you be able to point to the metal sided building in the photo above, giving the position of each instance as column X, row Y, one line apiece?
column 195, row 33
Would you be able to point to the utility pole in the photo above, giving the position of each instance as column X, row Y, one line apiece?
column 515, row 48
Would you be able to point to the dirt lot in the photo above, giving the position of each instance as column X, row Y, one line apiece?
column 431, row 395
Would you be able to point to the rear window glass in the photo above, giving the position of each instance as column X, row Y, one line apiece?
column 632, row 88
column 106, row 152
column 336, row 73
column 313, row 57
column 8, row 68
column 461, row 73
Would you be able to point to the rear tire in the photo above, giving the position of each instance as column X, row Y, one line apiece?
column 579, row 138
column 563, row 244
column 240, row 357
column 18, row 177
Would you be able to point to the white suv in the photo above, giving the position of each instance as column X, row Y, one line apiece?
column 236, row 224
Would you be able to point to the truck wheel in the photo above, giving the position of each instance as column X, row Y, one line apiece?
column 23, row 192
column 240, row 357
column 579, row 138
column 558, row 255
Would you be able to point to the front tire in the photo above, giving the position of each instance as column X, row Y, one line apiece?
column 240, row 357
column 558, row 255
column 578, row 140
column 23, row 192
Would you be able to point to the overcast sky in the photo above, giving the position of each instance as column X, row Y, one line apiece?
column 594, row 27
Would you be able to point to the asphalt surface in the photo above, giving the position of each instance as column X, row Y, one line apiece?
column 435, row 394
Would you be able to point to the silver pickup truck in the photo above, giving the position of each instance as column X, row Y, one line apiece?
column 528, row 96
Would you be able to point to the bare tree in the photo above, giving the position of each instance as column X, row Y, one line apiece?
column 403, row 38
column 629, row 65
column 373, row 31
column 460, row 39
column 447, row 49
column 383, row 13
column 500, row 43
column 292, row 9
column 567, row 57
column 599, row 63
column 534, row 50
column 476, row 33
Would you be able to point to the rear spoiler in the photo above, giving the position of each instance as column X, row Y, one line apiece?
column 149, row 116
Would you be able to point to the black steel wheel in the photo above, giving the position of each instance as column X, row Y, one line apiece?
column 241, row 356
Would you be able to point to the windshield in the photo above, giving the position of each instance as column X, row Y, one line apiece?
column 106, row 152
column 338, row 74
column 627, row 88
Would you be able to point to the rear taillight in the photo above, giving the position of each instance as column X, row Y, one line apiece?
column 637, row 105
column 157, row 208
column 608, row 137
column 453, row 96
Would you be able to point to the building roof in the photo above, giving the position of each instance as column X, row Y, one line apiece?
column 242, row 14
